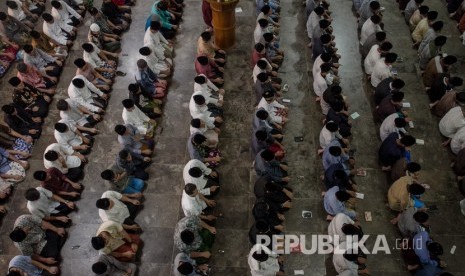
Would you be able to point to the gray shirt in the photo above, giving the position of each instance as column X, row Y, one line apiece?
column 184, row 258
column 115, row 267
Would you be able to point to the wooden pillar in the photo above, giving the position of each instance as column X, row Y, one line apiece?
column 224, row 22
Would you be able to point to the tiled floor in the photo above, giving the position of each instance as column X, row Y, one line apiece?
column 162, row 209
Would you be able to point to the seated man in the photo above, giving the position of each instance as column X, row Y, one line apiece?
column 278, row 198
column 133, row 164
column 119, row 208
column 92, row 75
column 133, row 116
column 206, row 46
column 334, row 203
column 43, row 42
column 390, row 105
column 403, row 194
column 48, row 206
column 21, row 122
column 130, row 139
column 120, row 17
column 12, row 169
column 427, row 251
column 261, row 211
column 386, row 88
column 149, row 82
column 38, row 239
column 70, row 137
column 25, row 265
column 437, row 65
column 193, row 202
column 204, row 178
column 56, row 182
column 121, row 182
column 262, row 120
column 210, row 131
column 29, row 98
column 263, row 66
column 412, row 221
column 394, row 148
column 43, row 62
column 144, row 101
column 199, row 108
column 382, row 69
column 206, row 88
column 100, row 60
column 14, row 30
column 263, row 140
column 329, row 133
column 450, row 124
column 335, row 154
column 102, row 21
column 210, row 69
column 79, row 115
column 28, row 74
column 65, row 14
column 104, row 41
column 20, row 12
column 185, row 265
column 155, row 40
column 266, row 165
column 66, row 160
column 111, row 239
column 195, row 238
column 158, row 65
column 55, row 33
column 349, row 263
column 263, row 261
column 197, row 148
column 342, row 226
column 395, row 122
column 108, row 265
column 277, row 111
column 169, row 22
column 82, row 91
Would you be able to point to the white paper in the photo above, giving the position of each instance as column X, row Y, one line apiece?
column 452, row 250
column 359, row 195
column 307, row 214
column 286, row 100
column 406, row 104
column 420, row 141
column 355, row 115
column 298, row 272
column 238, row 9
column 411, row 124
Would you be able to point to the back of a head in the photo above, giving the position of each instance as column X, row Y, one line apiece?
column 350, row 229
column 262, row 76
column 398, row 84
column 61, row 127
column 195, row 123
column 325, row 67
column 199, row 99
column 262, row 64
column 203, row 60
column 386, row 46
column 107, row 175
column 78, row 82
column 102, row 203
column 97, row 243
column 199, row 138
column 145, row 51
column 93, row 10
column 449, row 60
column 187, row 236
column 260, row 256
column 332, row 126
column 423, row 10
column 14, row 81
column 390, row 58
column 55, row 4
column 400, row 122
column 323, row 23
column 190, row 188
column 267, row 155
column 47, row 17
column 325, row 38
column 380, row 36
column 195, row 172
column 40, row 175
column 432, row 15
column 319, row 10
column 79, row 62
column 408, row 140
column 456, row 81
column 435, row 248
column 185, row 268
column 265, row 9
column 155, row 25
column 376, row 19
column 28, row 48
column 99, row 268
column 128, row 103
column 206, row 36
column 18, row 235
column 259, row 47
column 437, row 25
column 342, row 196
column 12, row 5
column 13, row 273
column 421, row 217
column 3, row 16
column 51, row 155
column 398, row 96
column 335, row 150
column 268, row 37
column 413, row 167
column 263, row 22
column 32, row 194
column 141, row 63
column 62, row 105
column 123, row 154
column 440, row 40
column 261, row 135
column 87, row 47
column 374, row 5
column 200, row 79
column 262, row 114
column 8, row 109
column 326, row 57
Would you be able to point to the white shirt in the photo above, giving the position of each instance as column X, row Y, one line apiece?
column 44, row 206
column 201, row 181
column 200, row 111
column 319, row 85
column 316, row 66
column 73, row 113
column 258, row 34
column 69, row 138
column 18, row 13
column 267, row 268
column 272, row 108
column 327, row 136
column 380, row 72
column 136, row 118
column 313, row 21
column 83, row 96
column 452, row 122
column 368, row 29
column 192, row 206
column 63, row 16
column 153, row 61
column 342, row 266
column 118, row 213
column 208, row 86
column 93, row 58
column 71, row 161
column 388, row 126
column 370, row 60
column 335, row 226
column 54, row 32
column 156, row 41
column 458, row 141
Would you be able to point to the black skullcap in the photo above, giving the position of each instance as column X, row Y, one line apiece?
column 449, row 60
column 432, row 15
column 14, row 81
column 102, row 203
column 128, row 103
column 416, row 189
column 97, row 243
column 145, row 51
column 199, row 99
column 413, row 167
column 79, row 62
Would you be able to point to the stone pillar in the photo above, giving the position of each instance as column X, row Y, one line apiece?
column 224, row 22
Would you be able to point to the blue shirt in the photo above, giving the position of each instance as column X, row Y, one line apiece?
column 4, row 161
column 329, row 159
column 25, row 264
column 420, row 242
column 333, row 206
